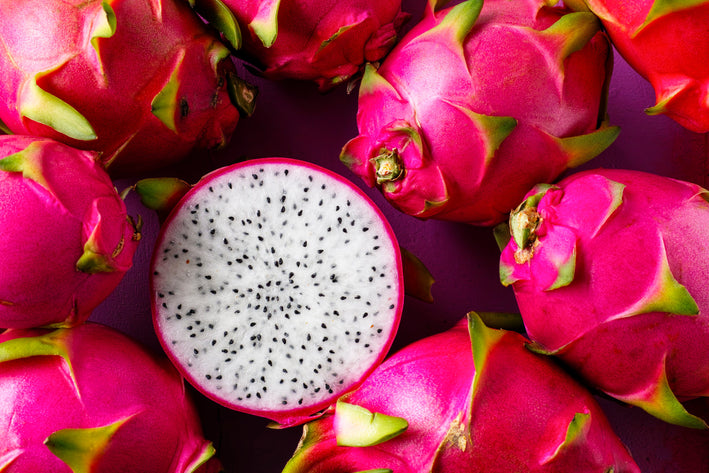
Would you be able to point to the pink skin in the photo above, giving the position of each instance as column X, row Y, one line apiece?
column 63, row 200
column 105, row 377
column 290, row 416
column 659, row 52
column 112, row 81
column 486, row 127
column 305, row 28
column 510, row 415
column 617, row 320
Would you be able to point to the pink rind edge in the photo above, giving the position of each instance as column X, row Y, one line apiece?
column 293, row 417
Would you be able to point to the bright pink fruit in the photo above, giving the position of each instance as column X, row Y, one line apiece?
column 142, row 81
column 67, row 240
column 479, row 102
column 276, row 287
column 326, row 41
column 90, row 399
column 493, row 406
column 667, row 42
column 609, row 269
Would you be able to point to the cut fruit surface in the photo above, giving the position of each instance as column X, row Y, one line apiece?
column 277, row 286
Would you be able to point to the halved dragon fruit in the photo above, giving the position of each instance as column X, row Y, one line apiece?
column 144, row 82
column 478, row 103
column 277, row 286
column 326, row 41
column 667, row 42
column 609, row 268
column 442, row 405
column 67, row 239
column 90, row 399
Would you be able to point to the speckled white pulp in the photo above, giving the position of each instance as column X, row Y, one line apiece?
column 276, row 286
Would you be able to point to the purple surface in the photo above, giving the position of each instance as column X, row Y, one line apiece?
column 294, row 120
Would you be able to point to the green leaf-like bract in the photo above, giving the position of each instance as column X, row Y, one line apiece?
column 81, row 448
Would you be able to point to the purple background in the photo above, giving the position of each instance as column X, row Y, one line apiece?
column 294, row 120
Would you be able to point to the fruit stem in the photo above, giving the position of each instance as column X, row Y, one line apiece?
column 388, row 165
column 524, row 222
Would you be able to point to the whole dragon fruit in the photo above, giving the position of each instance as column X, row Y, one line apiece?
column 440, row 405
column 90, row 399
column 326, row 41
column 609, row 270
column 276, row 286
column 668, row 44
column 478, row 103
column 143, row 82
column 67, row 239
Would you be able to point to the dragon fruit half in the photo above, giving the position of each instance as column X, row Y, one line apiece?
column 326, row 41
column 609, row 269
column 667, row 42
column 141, row 81
column 440, row 406
column 477, row 103
column 277, row 286
column 90, row 399
column 67, row 239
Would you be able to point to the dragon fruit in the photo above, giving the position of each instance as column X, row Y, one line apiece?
column 440, row 406
column 67, row 239
column 89, row 398
column 277, row 286
column 326, row 41
column 609, row 270
column 668, row 44
column 142, row 82
column 478, row 103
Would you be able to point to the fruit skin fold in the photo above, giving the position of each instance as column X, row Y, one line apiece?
column 325, row 41
column 90, row 399
column 667, row 43
column 67, row 239
column 142, row 82
column 612, row 279
column 475, row 400
column 479, row 102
